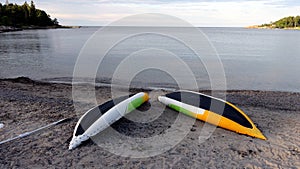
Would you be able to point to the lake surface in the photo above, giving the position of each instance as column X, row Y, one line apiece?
column 252, row 59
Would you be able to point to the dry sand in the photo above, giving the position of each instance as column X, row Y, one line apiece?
column 26, row 105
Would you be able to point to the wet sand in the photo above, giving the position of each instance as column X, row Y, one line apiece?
column 26, row 105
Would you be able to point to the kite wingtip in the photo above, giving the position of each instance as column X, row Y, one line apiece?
column 77, row 140
column 73, row 144
column 146, row 97
column 259, row 134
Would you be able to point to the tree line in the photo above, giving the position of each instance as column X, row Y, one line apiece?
column 287, row 22
column 24, row 15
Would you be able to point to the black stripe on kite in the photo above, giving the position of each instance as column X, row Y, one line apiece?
column 211, row 104
column 96, row 113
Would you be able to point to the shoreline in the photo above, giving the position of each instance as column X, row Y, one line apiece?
column 26, row 104
column 106, row 82
column 271, row 28
column 4, row 29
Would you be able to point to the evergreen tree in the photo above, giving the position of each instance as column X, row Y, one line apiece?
column 24, row 15
column 287, row 22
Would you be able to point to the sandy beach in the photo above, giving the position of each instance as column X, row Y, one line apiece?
column 26, row 105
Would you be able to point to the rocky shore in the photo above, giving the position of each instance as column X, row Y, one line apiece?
column 12, row 29
column 270, row 27
column 8, row 29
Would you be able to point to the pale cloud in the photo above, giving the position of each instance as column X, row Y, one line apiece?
column 196, row 12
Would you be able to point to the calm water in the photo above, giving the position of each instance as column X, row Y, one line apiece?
column 252, row 59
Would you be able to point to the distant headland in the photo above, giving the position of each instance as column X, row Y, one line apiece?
column 291, row 22
column 15, row 17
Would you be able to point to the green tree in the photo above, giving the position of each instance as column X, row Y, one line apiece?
column 26, row 9
column 288, row 22
column 24, row 15
column 55, row 21
column 0, row 9
column 32, row 13
column 297, row 21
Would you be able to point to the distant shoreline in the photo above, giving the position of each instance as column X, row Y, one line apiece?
column 269, row 27
column 13, row 29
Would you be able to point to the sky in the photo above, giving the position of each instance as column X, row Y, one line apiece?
column 206, row 13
